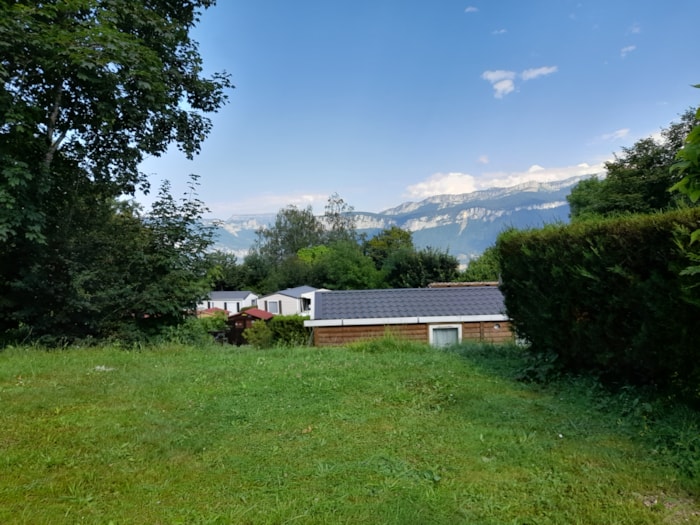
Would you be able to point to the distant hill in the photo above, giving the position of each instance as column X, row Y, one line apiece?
column 464, row 225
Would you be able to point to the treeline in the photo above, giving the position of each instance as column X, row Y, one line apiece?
column 327, row 252
column 616, row 293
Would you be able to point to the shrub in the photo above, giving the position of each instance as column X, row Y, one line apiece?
column 259, row 335
column 289, row 330
column 607, row 296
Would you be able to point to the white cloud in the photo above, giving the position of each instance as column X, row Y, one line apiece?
column 503, row 81
column 615, row 135
column 503, row 87
column 499, row 32
column 442, row 184
column 536, row 173
column 634, row 29
column 458, row 183
column 471, row 9
column 498, row 75
column 532, row 73
column 627, row 50
column 483, row 159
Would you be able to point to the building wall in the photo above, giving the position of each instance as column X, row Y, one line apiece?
column 286, row 305
column 487, row 331
column 232, row 304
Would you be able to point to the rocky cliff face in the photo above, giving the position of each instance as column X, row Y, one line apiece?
column 463, row 224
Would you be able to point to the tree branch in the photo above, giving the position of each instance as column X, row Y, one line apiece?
column 54, row 144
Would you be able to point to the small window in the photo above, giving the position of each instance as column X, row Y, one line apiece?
column 445, row 335
column 273, row 307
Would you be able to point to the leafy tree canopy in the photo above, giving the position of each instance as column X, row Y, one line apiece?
column 100, row 84
column 486, row 267
column 88, row 88
column 387, row 241
column 637, row 180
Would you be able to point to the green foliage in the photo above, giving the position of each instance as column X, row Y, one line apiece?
column 387, row 343
column 343, row 266
column 293, row 230
column 87, row 91
column 637, row 181
column 108, row 271
column 225, row 271
column 98, row 86
column 339, row 220
column 289, row 330
column 607, row 297
column 484, row 268
column 407, row 268
column 259, row 335
column 195, row 331
column 687, row 166
column 386, row 242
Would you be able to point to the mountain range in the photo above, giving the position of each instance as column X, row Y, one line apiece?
column 463, row 225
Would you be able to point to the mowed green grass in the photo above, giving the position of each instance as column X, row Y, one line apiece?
column 386, row 433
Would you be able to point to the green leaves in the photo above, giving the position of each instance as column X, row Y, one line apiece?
column 609, row 296
column 87, row 89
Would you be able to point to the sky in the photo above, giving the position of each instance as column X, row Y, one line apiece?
column 387, row 101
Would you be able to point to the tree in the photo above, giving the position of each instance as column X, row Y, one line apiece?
column 387, row 241
column 293, row 230
column 407, row 268
column 114, row 272
column 486, row 267
column 87, row 89
column 225, row 270
column 687, row 167
column 101, row 85
column 343, row 266
column 339, row 220
column 176, row 269
column 638, row 180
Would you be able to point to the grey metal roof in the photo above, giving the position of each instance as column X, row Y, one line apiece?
column 296, row 292
column 408, row 302
column 229, row 295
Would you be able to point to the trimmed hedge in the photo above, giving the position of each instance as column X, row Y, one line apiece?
column 289, row 330
column 608, row 297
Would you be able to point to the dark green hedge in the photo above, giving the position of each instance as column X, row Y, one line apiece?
column 608, row 296
column 289, row 330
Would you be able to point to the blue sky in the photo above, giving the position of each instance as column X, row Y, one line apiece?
column 388, row 101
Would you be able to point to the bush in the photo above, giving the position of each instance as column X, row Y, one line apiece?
column 259, row 335
column 195, row 330
column 289, row 330
column 607, row 296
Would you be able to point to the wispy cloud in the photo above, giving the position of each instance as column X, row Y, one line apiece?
column 634, row 29
column 503, row 81
column 483, row 159
column 471, row 9
column 627, row 50
column 499, row 32
column 615, row 135
column 458, row 183
column 532, row 73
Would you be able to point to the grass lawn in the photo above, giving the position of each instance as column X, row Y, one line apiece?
column 385, row 433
